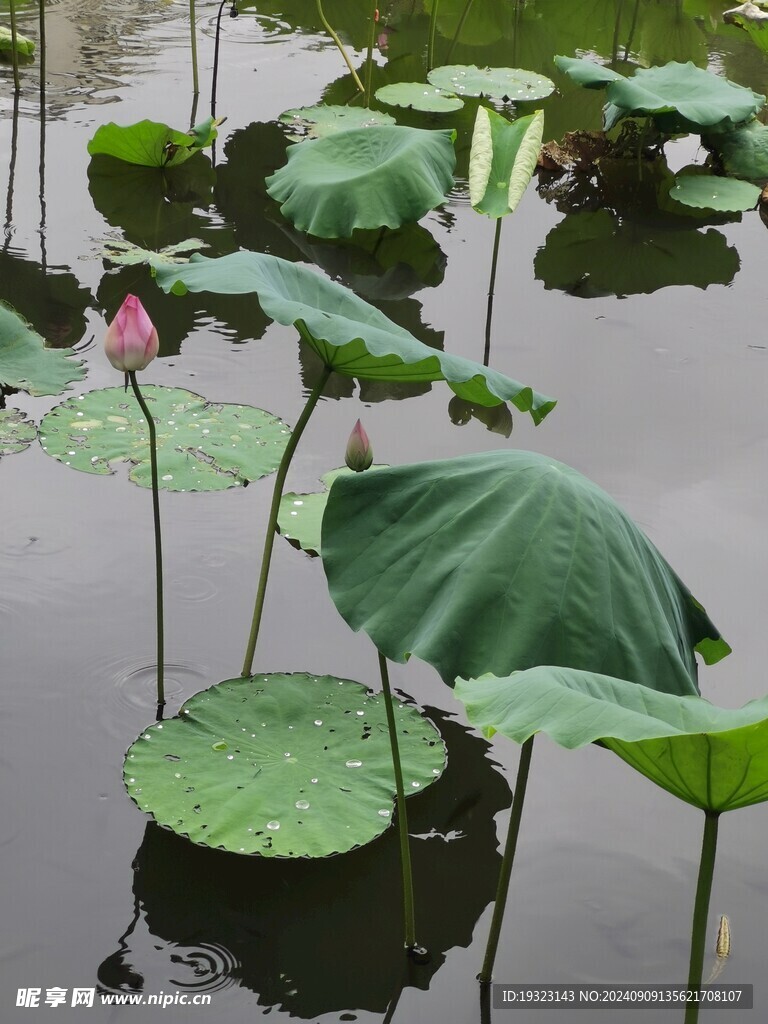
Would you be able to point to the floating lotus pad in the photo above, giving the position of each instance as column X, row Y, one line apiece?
column 419, row 96
column 280, row 765
column 501, row 561
column 27, row 365
column 201, row 446
column 502, row 160
column 326, row 119
column 374, row 177
column 711, row 192
column 497, row 83
column 349, row 335
column 150, row 143
column 16, row 432
column 126, row 254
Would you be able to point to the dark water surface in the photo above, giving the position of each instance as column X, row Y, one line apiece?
column 661, row 386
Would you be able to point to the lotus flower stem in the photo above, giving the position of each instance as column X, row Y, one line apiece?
column 506, row 865
column 369, row 57
column 491, row 287
column 158, row 541
column 342, row 51
column 269, row 539
column 431, row 39
column 14, row 51
column 41, row 23
column 459, row 27
column 193, row 43
column 701, row 910
column 402, row 814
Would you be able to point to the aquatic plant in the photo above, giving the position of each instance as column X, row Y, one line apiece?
column 151, row 143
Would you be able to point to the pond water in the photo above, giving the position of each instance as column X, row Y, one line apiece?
column 660, row 365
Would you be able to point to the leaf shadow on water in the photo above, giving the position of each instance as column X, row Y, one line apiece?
column 306, row 935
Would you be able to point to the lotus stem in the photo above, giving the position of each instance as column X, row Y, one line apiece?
column 342, row 51
column 215, row 75
column 193, row 43
column 402, row 814
column 369, row 57
column 14, row 51
column 431, row 39
column 158, row 541
column 8, row 228
column 277, row 493
column 632, row 28
column 491, row 287
column 508, row 860
column 41, row 23
column 616, row 30
column 701, row 910
column 459, row 27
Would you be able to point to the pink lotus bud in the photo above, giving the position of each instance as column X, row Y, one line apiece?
column 359, row 455
column 131, row 341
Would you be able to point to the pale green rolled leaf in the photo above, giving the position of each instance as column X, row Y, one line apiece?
column 23, row 45
column 502, row 160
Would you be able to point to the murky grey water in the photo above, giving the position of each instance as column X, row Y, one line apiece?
column 661, row 401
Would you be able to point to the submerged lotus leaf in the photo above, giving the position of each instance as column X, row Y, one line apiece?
column 327, row 119
column 349, row 335
column 25, row 362
column 364, row 178
column 711, row 192
column 501, row 561
column 281, row 765
column 419, row 96
column 499, row 83
column 126, row 254
column 150, row 143
column 16, row 432
column 743, row 152
column 714, row 758
column 201, row 446
column 502, row 160
column 23, row 45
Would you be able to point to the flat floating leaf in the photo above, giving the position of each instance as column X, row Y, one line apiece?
column 498, row 83
column 201, row 446
column 505, row 560
column 23, row 45
column 364, row 178
column 714, row 758
column 711, row 192
column 419, row 96
column 127, row 254
column 280, row 765
column 25, row 362
column 349, row 335
column 150, row 143
column 16, row 432
column 502, row 160
column 326, row 119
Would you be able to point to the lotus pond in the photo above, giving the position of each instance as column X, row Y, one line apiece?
column 304, row 270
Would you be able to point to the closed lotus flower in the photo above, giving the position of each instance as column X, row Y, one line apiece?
column 131, row 342
column 359, row 455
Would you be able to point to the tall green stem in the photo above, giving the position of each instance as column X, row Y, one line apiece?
column 459, row 27
column 342, row 51
column 491, row 288
column 41, row 22
column 506, row 865
column 269, row 539
column 158, row 539
column 431, row 40
column 701, row 910
column 369, row 57
column 14, row 51
column 402, row 814
column 193, row 43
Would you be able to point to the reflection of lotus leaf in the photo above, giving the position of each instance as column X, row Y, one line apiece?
column 26, row 363
column 280, row 765
column 595, row 253
column 16, row 432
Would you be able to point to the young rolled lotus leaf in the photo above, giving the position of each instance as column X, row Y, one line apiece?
column 280, row 765
column 512, row 84
column 152, row 144
column 16, row 432
column 327, row 119
column 502, row 160
column 201, row 446
column 419, row 96
column 364, row 178
column 24, row 46
column 508, row 559
column 713, row 192
column 25, row 362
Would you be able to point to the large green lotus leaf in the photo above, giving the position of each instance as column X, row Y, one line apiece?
column 714, row 758
column 743, row 152
column 587, row 72
column 280, row 765
column 419, row 96
column 201, row 446
column 502, row 160
column 327, row 119
column 151, row 144
column 711, row 192
column 498, row 83
column 127, row 254
column 349, row 335
column 23, row 45
column 505, row 560
column 26, row 363
column 364, row 178
column 16, row 432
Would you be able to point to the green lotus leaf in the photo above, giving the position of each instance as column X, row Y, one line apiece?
column 711, row 192
column 349, row 335
column 743, row 152
column 587, row 72
column 127, row 254
column 753, row 20
column 280, row 765
column 497, row 83
column 23, row 45
column 201, row 446
column 151, row 144
column 714, row 758
column 419, row 96
column 364, row 178
column 326, row 119
column 502, row 160
column 26, row 363
column 16, row 432
column 504, row 560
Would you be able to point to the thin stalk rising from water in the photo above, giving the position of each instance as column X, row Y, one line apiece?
column 158, row 541
column 701, row 910
column 269, row 539
column 193, row 43
column 14, row 51
column 342, row 51
column 459, row 27
column 369, row 57
column 506, row 865
column 431, row 40
column 491, row 287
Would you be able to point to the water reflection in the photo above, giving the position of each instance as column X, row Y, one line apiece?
column 51, row 299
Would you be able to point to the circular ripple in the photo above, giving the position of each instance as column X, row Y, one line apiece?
column 193, row 588
column 206, row 967
column 131, row 686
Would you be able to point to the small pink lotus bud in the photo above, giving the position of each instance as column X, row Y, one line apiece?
column 131, row 341
column 359, row 455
